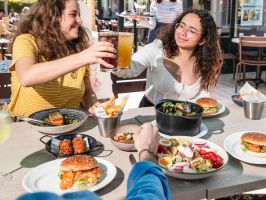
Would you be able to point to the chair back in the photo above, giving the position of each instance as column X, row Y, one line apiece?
column 253, row 42
column 135, row 84
column 5, row 85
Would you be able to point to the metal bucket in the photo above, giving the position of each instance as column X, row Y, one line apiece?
column 108, row 126
column 253, row 110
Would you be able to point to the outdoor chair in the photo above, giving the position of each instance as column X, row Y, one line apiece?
column 135, row 84
column 253, row 42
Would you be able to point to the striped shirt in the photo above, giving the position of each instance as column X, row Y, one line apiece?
column 164, row 12
column 65, row 91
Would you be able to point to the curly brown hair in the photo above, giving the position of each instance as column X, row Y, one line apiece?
column 43, row 22
column 208, row 56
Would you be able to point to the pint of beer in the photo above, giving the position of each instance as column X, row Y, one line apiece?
column 125, row 47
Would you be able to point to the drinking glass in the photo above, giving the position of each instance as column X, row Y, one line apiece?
column 125, row 47
column 113, row 38
column 241, row 34
column 5, row 129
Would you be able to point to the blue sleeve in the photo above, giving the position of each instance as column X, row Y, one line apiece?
column 147, row 181
column 81, row 195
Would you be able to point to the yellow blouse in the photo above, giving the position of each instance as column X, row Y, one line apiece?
column 65, row 91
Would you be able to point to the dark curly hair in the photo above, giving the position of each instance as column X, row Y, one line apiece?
column 208, row 56
column 43, row 22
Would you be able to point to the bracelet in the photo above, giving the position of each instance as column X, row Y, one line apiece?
column 149, row 151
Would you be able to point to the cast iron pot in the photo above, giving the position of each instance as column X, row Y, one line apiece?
column 178, row 125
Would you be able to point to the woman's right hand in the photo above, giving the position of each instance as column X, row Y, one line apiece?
column 97, row 51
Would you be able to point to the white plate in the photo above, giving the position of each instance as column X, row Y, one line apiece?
column 232, row 146
column 203, row 131
column 220, row 111
column 191, row 176
column 45, row 177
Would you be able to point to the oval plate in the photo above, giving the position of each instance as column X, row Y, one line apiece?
column 73, row 113
column 45, row 177
column 191, row 176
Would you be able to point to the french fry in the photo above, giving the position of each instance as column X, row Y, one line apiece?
column 109, row 103
column 124, row 101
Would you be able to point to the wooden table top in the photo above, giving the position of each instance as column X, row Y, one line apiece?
column 23, row 151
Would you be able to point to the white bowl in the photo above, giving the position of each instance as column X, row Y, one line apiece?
column 73, row 113
column 198, row 175
column 132, row 128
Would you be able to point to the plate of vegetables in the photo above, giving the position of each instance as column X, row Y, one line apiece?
column 190, row 158
column 59, row 120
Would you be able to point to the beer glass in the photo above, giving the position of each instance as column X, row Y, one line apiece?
column 113, row 38
column 125, row 46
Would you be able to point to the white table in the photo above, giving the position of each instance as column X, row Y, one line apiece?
column 23, row 151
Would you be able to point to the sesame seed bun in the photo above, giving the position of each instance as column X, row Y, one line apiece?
column 254, row 138
column 78, row 163
column 210, row 105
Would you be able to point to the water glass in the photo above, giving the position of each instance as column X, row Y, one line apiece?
column 241, row 34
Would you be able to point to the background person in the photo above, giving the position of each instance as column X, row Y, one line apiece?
column 13, row 17
column 165, row 12
column 146, row 180
column 51, row 53
column 184, row 64
column 24, row 11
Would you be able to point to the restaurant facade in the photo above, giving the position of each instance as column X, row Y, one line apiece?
column 231, row 16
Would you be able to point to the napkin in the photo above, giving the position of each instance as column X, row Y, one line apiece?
column 250, row 94
column 111, row 108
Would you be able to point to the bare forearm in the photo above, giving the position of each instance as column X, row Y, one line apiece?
column 47, row 71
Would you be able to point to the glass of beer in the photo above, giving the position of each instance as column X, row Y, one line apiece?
column 125, row 47
column 113, row 38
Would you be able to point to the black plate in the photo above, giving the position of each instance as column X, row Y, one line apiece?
column 55, row 149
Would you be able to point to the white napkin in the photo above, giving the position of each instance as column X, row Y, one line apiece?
column 250, row 94
column 119, row 102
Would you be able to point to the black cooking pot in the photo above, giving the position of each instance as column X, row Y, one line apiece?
column 178, row 125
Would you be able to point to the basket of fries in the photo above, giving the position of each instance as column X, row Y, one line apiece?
column 108, row 115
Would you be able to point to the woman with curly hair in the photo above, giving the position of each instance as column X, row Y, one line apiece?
column 184, row 64
column 51, row 53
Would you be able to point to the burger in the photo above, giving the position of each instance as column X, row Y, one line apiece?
column 79, row 172
column 254, row 144
column 210, row 105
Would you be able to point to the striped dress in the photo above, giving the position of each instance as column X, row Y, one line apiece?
column 65, row 91
column 164, row 12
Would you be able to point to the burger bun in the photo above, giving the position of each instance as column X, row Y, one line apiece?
column 210, row 105
column 78, row 163
column 259, row 155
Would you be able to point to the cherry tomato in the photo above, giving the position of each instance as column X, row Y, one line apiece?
column 162, row 148
column 202, row 152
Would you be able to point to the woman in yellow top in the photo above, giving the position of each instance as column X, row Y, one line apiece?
column 51, row 53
